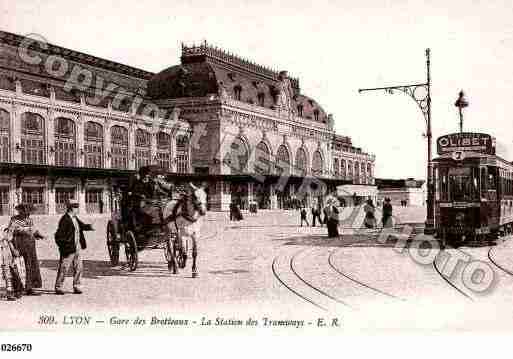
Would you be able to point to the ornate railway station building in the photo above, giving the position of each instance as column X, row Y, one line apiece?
column 76, row 126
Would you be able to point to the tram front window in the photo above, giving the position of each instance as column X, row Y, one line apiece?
column 463, row 184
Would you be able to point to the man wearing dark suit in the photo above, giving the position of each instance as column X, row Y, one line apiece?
column 70, row 240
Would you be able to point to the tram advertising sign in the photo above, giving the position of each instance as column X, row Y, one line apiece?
column 466, row 141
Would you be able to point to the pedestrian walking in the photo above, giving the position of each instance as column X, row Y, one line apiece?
column 71, row 241
column 13, row 285
column 232, row 211
column 331, row 218
column 303, row 217
column 316, row 215
column 370, row 219
column 24, row 239
column 387, row 214
column 237, row 213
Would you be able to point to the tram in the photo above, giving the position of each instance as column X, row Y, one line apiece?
column 473, row 190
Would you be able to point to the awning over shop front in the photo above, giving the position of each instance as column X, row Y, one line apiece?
column 21, row 169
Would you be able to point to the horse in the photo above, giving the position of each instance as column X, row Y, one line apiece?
column 185, row 217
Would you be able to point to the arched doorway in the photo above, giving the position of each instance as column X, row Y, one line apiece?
column 262, row 167
column 65, row 142
column 164, row 150
column 5, row 134
column 119, row 143
column 93, row 145
column 33, row 141
column 283, row 163
column 317, row 164
column 142, row 148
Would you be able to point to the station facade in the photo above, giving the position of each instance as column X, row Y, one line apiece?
column 75, row 126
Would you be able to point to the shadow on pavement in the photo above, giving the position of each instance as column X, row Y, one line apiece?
column 344, row 240
column 94, row 269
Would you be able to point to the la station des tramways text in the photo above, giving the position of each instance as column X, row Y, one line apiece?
column 243, row 129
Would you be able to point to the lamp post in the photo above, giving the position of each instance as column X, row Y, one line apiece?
column 461, row 103
column 421, row 94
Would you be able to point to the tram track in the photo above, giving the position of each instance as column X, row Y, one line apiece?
column 345, row 275
column 316, row 295
column 447, row 279
column 496, row 264
column 292, row 261
column 292, row 290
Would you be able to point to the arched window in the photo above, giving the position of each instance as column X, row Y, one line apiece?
column 119, row 144
column 263, row 159
column 261, row 99
column 300, row 110
column 33, row 141
column 93, row 145
column 335, row 167
column 237, row 93
column 65, row 142
column 239, row 155
column 282, row 160
column 316, row 115
column 317, row 164
column 350, row 169
column 301, row 162
column 357, row 172
column 4, row 135
column 164, row 150
column 369, row 170
column 142, row 148
column 182, row 154
column 363, row 172
column 343, row 168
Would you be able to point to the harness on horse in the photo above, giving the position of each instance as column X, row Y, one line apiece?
column 174, row 215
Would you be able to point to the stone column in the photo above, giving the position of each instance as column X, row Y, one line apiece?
column 50, row 137
column 274, row 198
column 80, row 151
column 106, row 195
column 153, row 146
column 131, row 147
column 51, row 196
column 106, row 143
column 173, row 151
column 81, row 196
column 16, row 134
column 250, row 193
column 13, row 200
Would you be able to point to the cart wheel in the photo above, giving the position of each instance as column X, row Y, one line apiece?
column 131, row 251
column 112, row 245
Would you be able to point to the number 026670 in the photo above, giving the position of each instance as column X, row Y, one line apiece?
column 16, row 347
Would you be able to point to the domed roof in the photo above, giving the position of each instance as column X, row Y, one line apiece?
column 186, row 80
column 206, row 70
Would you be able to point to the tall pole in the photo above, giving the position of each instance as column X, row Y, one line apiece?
column 430, row 215
column 423, row 101
column 460, row 103
column 461, row 120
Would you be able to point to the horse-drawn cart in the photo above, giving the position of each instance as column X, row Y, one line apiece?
column 137, row 222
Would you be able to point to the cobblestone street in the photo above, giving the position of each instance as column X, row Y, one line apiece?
column 266, row 265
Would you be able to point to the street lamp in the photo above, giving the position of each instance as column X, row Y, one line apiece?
column 461, row 103
column 421, row 94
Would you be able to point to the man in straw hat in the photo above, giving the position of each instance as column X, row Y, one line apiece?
column 71, row 241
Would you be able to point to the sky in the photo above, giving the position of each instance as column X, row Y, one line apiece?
column 334, row 47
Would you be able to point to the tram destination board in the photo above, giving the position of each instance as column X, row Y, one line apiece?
column 466, row 141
